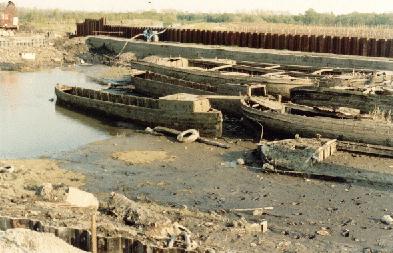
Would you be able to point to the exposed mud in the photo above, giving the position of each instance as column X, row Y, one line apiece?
column 141, row 157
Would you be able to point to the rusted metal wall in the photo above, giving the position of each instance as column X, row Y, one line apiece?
column 305, row 43
column 7, row 16
column 81, row 238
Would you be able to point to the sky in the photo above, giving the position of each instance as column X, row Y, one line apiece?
column 292, row 6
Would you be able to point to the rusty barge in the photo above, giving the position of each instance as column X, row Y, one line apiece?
column 342, row 124
column 179, row 111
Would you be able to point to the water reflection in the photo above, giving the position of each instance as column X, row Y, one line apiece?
column 31, row 125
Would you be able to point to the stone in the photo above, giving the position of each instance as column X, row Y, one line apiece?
column 7, row 169
column 345, row 233
column 387, row 219
column 45, row 191
column 240, row 161
column 323, row 232
column 79, row 198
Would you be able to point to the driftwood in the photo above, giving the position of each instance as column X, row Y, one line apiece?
column 246, row 210
column 368, row 149
column 175, row 132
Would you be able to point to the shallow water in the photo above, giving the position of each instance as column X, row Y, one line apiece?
column 31, row 125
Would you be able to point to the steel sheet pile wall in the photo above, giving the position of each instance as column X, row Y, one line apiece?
column 306, row 43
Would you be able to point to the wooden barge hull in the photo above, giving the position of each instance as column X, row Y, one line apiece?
column 366, row 103
column 156, row 85
column 275, row 86
column 342, row 129
column 144, row 111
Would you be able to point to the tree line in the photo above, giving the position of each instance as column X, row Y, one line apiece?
column 310, row 17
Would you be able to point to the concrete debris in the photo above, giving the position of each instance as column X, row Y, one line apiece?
column 45, row 191
column 28, row 56
column 387, row 219
column 82, row 199
column 68, row 195
column 155, row 224
column 345, row 233
column 7, row 169
column 240, row 161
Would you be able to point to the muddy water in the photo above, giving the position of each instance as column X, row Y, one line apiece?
column 31, row 125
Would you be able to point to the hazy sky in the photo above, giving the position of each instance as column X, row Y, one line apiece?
column 293, row 6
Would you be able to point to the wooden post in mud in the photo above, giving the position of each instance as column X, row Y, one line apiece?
column 93, row 233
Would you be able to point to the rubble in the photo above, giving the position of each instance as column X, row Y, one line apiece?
column 24, row 240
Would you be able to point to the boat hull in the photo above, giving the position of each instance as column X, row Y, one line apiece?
column 148, row 114
column 275, row 86
column 366, row 131
column 366, row 103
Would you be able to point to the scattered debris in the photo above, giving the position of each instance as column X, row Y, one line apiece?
column 67, row 195
column 174, row 132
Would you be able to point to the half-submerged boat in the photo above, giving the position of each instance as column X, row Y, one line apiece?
column 178, row 111
column 365, row 99
column 278, row 83
column 340, row 123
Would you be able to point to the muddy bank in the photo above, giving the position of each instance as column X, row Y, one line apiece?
column 206, row 178
column 56, row 52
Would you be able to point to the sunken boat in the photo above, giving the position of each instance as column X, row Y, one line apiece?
column 279, row 79
column 277, row 82
column 341, row 123
column 179, row 111
column 156, row 85
column 367, row 100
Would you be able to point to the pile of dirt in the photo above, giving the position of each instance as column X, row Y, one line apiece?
column 57, row 52
column 73, row 49
column 24, row 240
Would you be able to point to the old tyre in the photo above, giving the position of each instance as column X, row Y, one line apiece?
column 188, row 136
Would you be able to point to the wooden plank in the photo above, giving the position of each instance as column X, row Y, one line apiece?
column 368, row 149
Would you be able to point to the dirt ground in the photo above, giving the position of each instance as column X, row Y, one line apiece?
column 197, row 186
column 308, row 214
column 59, row 51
